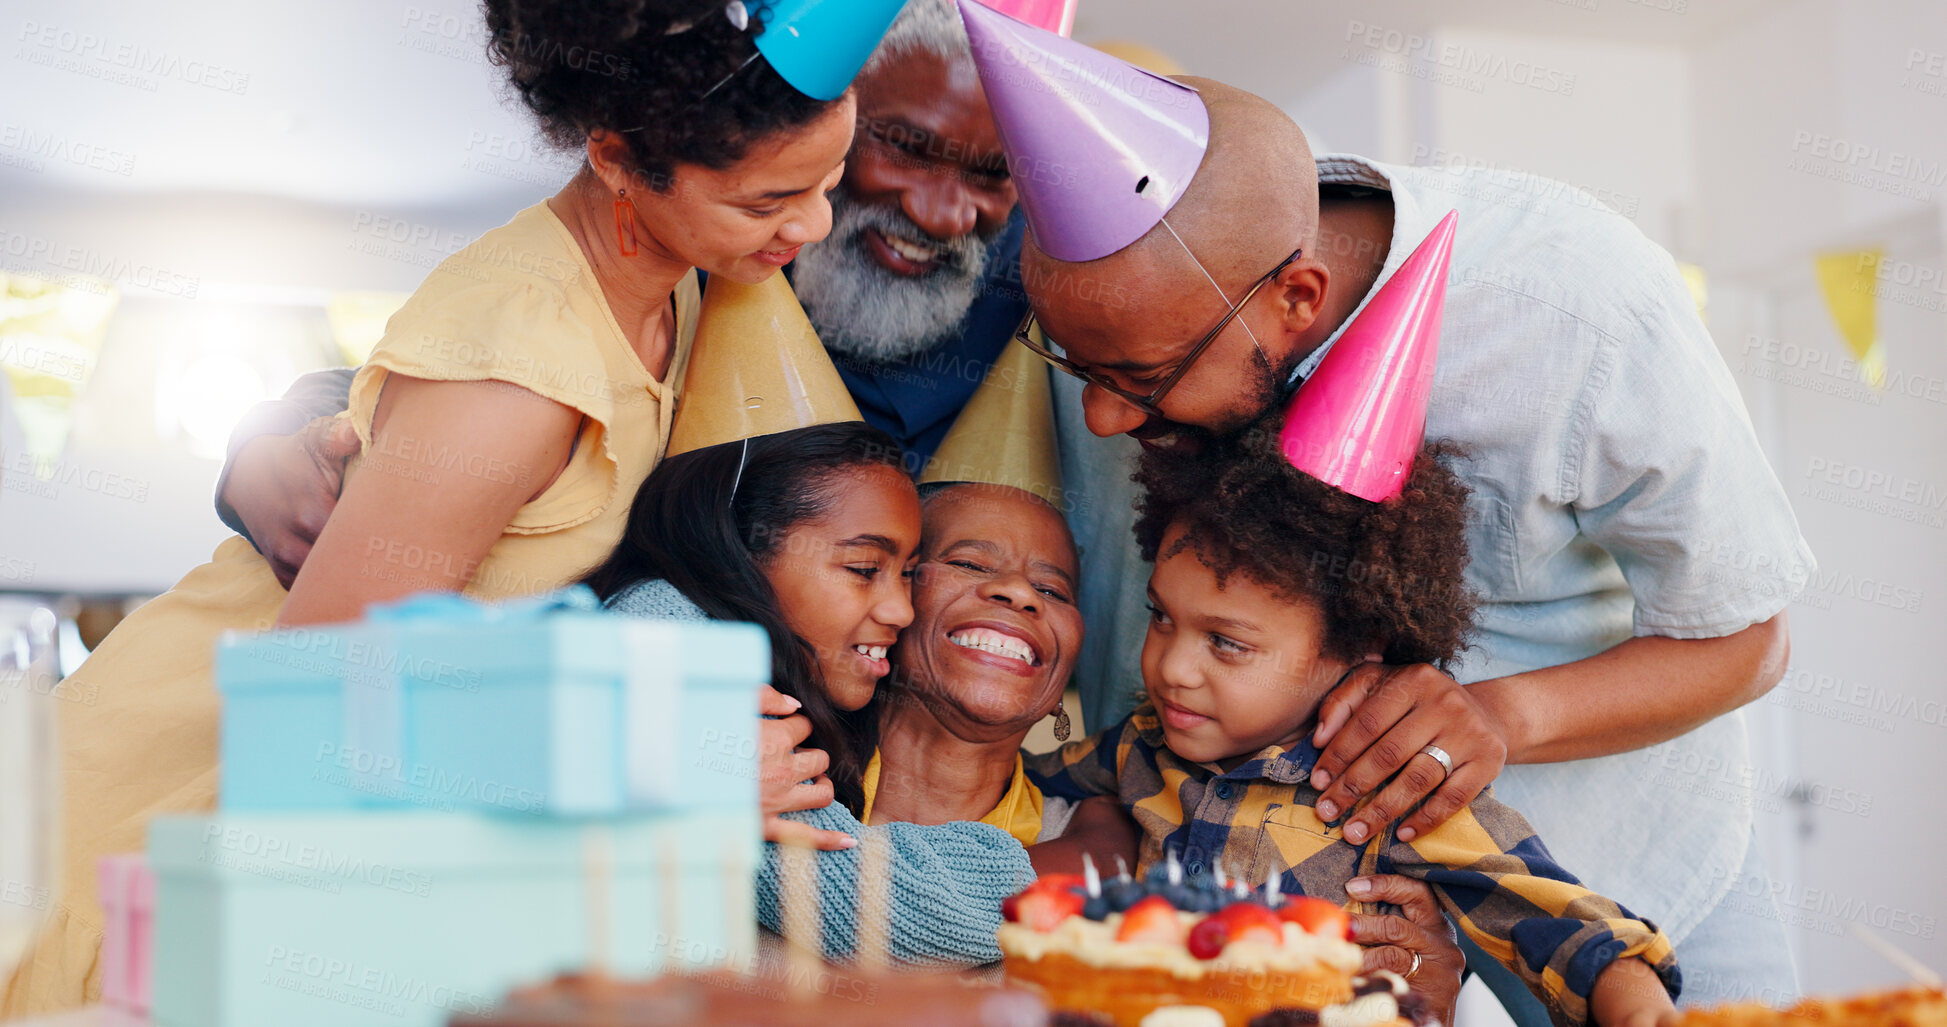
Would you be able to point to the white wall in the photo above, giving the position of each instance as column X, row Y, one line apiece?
column 1863, row 699
column 238, row 165
column 1357, row 109
column 1611, row 119
column 1704, row 145
column 129, row 508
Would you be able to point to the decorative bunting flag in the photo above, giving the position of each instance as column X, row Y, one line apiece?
column 1848, row 281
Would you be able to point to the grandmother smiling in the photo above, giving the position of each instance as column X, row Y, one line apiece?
column 994, row 634
column 995, row 629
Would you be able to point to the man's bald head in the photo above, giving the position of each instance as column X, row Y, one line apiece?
column 1253, row 200
column 1135, row 315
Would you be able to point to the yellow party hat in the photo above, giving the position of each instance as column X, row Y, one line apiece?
column 1006, row 433
column 756, row 368
column 1143, row 56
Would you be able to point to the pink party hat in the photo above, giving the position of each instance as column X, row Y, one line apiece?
column 1359, row 419
column 1100, row 149
column 1057, row 16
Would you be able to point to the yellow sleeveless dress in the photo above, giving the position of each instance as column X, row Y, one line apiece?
column 520, row 305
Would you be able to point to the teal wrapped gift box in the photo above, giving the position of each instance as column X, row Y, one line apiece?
column 541, row 706
column 404, row 918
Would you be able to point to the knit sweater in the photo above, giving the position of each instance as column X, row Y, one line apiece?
column 948, row 880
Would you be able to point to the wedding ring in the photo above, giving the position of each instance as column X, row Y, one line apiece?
column 1440, row 756
column 1415, row 968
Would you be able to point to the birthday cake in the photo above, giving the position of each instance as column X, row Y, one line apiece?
column 1171, row 950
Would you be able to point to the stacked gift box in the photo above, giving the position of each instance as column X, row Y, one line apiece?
column 425, row 808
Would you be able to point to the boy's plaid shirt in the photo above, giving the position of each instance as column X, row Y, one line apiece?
column 1489, row 872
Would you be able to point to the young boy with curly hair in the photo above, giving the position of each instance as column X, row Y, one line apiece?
column 1270, row 585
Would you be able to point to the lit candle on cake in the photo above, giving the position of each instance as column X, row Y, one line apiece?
column 671, row 880
column 875, row 907
column 804, row 944
column 739, row 903
column 596, row 861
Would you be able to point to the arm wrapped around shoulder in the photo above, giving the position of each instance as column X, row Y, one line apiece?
column 1496, row 879
column 944, row 898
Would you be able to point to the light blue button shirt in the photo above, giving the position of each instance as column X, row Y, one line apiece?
column 1618, row 490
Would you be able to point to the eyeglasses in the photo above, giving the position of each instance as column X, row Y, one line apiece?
column 1147, row 404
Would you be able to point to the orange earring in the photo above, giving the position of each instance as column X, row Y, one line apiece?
column 625, row 222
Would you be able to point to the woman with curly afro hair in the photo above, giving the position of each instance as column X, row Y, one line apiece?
column 545, row 357
column 513, row 407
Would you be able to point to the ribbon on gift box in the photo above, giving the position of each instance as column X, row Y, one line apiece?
column 127, row 890
column 375, row 731
column 646, row 749
column 454, row 608
column 651, row 710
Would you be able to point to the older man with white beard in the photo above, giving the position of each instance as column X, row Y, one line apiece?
column 914, row 293
column 883, row 290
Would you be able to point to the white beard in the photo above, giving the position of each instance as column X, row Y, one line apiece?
column 862, row 310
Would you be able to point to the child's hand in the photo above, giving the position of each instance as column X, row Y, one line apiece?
column 790, row 778
column 1629, row 994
